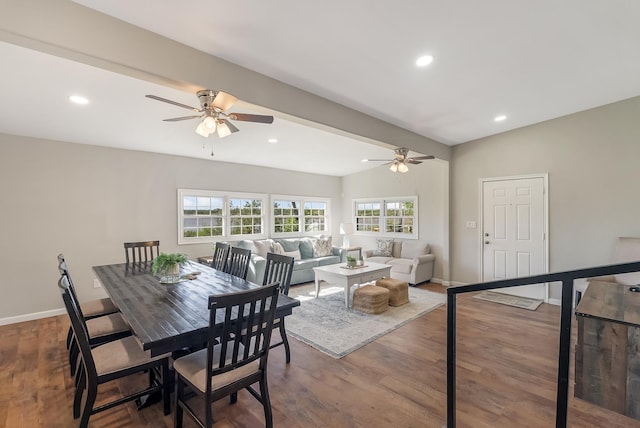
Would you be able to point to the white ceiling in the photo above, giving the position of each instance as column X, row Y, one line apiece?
column 531, row 61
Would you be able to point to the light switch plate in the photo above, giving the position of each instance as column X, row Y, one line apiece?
column 471, row 225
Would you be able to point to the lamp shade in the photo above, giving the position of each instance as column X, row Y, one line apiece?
column 346, row 228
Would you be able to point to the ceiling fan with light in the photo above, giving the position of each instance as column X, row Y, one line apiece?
column 213, row 105
column 400, row 161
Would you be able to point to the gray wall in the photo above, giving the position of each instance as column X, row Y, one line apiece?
column 592, row 159
column 85, row 201
column 430, row 183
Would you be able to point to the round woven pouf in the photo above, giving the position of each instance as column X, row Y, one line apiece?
column 371, row 299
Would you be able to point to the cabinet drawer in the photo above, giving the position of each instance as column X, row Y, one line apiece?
column 371, row 276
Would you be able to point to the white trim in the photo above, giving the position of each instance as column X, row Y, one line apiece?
column 33, row 316
column 556, row 302
column 545, row 201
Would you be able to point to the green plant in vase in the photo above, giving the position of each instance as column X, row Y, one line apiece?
column 168, row 265
column 351, row 261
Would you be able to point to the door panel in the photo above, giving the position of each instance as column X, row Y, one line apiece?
column 514, row 232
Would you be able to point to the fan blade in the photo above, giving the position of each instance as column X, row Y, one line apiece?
column 422, row 157
column 251, row 117
column 223, row 100
column 175, row 103
column 377, row 160
column 176, row 119
column 413, row 161
column 230, row 125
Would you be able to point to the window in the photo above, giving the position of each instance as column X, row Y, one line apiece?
column 297, row 215
column 397, row 216
column 208, row 216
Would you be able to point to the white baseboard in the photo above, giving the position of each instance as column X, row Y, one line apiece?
column 556, row 302
column 31, row 317
column 457, row 284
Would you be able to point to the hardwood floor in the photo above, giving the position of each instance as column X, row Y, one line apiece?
column 507, row 363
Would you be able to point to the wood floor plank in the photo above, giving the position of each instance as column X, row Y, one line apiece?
column 506, row 369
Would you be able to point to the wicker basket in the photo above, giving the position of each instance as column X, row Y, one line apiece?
column 398, row 290
column 371, row 299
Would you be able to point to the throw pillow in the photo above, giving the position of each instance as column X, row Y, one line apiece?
column 322, row 247
column 384, row 247
column 277, row 248
column 262, row 246
column 306, row 248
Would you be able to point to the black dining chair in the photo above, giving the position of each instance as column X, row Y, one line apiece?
column 220, row 255
column 141, row 252
column 238, row 262
column 101, row 329
column 110, row 361
column 91, row 309
column 225, row 367
column 279, row 269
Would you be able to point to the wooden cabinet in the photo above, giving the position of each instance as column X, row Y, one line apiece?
column 607, row 350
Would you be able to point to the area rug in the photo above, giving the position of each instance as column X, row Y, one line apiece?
column 507, row 299
column 327, row 325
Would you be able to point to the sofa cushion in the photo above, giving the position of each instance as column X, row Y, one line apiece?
column 305, row 264
column 278, row 248
column 397, row 249
column 379, row 259
column 328, row 260
column 289, row 244
column 322, row 247
column 411, row 250
column 401, row 265
column 306, row 248
column 384, row 247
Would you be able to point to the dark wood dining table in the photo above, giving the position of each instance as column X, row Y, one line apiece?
column 171, row 317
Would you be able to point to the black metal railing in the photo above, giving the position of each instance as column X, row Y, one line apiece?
column 567, row 279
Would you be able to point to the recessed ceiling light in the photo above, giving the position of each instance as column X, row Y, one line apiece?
column 272, row 140
column 77, row 99
column 500, row 118
column 424, row 60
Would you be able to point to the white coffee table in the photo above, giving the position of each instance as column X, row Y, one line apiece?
column 340, row 275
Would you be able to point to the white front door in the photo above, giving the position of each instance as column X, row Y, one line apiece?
column 513, row 232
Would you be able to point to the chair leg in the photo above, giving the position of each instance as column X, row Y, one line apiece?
column 92, row 392
column 166, row 387
column 266, row 402
column 233, row 398
column 177, row 420
column 285, row 341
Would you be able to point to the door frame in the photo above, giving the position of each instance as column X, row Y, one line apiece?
column 545, row 201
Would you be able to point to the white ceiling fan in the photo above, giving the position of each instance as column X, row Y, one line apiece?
column 213, row 105
column 400, row 161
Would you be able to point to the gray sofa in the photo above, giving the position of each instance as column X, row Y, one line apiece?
column 410, row 261
column 300, row 248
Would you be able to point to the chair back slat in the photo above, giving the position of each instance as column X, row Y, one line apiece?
column 141, row 252
column 278, row 269
column 78, row 325
column 238, row 262
column 247, row 323
column 220, row 256
column 64, row 270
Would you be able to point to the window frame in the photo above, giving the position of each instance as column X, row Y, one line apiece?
column 226, row 215
column 301, row 200
column 383, row 217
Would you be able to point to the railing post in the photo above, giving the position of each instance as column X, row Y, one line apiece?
column 451, row 360
column 562, row 399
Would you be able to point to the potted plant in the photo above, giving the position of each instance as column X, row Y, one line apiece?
column 351, row 261
column 168, row 265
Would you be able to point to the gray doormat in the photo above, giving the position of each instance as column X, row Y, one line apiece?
column 507, row 299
